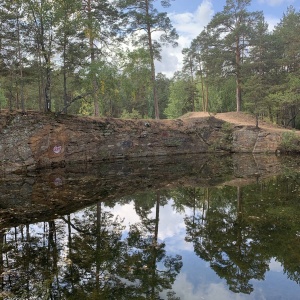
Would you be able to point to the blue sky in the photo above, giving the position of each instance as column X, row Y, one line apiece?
column 190, row 16
column 272, row 7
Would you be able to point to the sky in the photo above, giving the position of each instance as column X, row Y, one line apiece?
column 189, row 17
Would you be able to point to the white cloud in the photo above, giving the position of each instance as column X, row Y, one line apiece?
column 172, row 57
column 188, row 25
column 272, row 22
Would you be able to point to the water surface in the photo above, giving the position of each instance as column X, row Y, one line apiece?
column 197, row 227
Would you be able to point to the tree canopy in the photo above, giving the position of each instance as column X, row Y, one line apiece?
column 98, row 58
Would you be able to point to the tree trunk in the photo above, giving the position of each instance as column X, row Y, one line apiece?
column 20, row 67
column 192, row 87
column 157, row 216
column 154, row 246
column 41, row 78
column 239, row 200
column 48, row 84
column 2, row 252
column 93, row 59
column 98, row 246
column 153, row 78
column 65, row 78
column 70, row 252
column 206, row 100
column 238, row 95
column 256, row 120
column 47, row 58
column 238, row 76
column 204, row 108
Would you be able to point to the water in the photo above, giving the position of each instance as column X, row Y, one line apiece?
column 188, row 227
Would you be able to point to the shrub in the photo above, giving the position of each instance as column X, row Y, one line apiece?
column 131, row 115
column 290, row 142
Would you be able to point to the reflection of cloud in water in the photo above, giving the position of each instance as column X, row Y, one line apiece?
column 170, row 222
column 127, row 213
column 177, row 243
column 172, row 229
column 275, row 266
column 208, row 291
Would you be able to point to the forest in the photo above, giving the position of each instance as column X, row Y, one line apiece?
column 97, row 58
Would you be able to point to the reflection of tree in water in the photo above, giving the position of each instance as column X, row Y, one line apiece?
column 148, row 262
column 221, row 237
column 84, row 256
column 30, row 262
column 105, row 265
column 90, row 256
column 275, row 216
column 240, row 229
column 96, row 255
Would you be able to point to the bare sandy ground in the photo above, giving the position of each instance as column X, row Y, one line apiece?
column 237, row 118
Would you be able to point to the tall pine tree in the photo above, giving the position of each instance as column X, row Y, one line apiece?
column 144, row 19
column 231, row 31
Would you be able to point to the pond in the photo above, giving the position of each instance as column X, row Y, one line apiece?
column 186, row 227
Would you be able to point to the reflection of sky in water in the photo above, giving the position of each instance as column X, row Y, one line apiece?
column 197, row 280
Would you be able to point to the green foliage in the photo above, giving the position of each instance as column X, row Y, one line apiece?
column 142, row 16
column 135, row 82
column 290, row 142
column 254, row 94
column 221, row 96
column 163, row 93
column 54, row 51
column 134, row 114
column 176, row 105
column 3, row 100
column 227, row 31
column 224, row 142
column 86, row 108
column 227, row 127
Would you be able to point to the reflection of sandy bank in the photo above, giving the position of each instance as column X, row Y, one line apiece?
column 60, row 191
column 250, row 168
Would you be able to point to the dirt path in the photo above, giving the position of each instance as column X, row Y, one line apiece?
column 237, row 118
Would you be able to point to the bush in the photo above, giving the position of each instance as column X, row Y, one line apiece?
column 290, row 142
column 131, row 115
column 3, row 100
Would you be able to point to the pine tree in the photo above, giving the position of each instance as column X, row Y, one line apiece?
column 143, row 18
column 230, row 31
column 40, row 17
column 99, row 21
column 256, row 85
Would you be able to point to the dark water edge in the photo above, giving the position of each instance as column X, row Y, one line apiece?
column 184, row 227
column 44, row 194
